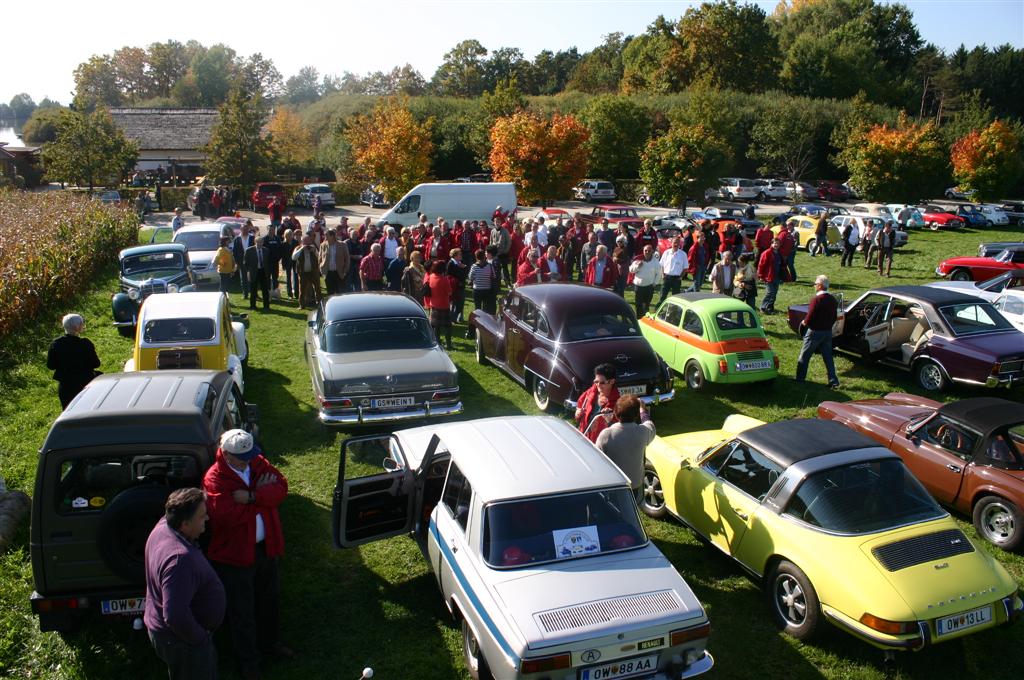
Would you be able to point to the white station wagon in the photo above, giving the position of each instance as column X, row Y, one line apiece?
column 535, row 542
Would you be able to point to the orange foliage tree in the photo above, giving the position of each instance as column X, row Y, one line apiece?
column 988, row 161
column 390, row 147
column 545, row 157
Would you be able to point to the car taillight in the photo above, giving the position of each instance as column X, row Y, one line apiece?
column 888, row 627
column 723, row 366
column 684, row 635
column 546, row 663
column 335, row 402
column 58, row 604
column 444, row 394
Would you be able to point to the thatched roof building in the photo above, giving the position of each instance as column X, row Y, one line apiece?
column 167, row 137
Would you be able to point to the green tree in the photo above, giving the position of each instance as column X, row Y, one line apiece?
column 619, row 128
column 130, row 70
column 41, row 127
column 462, row 73
column 504, row 100
column 259, row 75
column 304, row 86
column 644, row 67
column 551, row 70
column 186, row 91
column 22, row 106
column 214, row 71
column 168, row 63
column 89, row 149
column 96, row 84
column 237, row 152
column 600, row 70
column 784, row 138
column 683, row 162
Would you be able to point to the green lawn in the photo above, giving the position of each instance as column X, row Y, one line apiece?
column 378, row 606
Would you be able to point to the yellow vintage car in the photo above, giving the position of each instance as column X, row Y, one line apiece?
column 191, row 330
column 804, row 233
column 836, row 529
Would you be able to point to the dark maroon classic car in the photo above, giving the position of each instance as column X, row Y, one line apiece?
column 939, row 335
column 550, row 336
column 969, row 454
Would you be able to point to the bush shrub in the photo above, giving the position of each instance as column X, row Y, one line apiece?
column 70, row 238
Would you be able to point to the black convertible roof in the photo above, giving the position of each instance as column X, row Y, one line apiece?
column 372, row 305
column 790, row 441
column 984, row 414
column 932, row 294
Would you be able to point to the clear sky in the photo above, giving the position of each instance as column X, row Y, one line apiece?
column 43, row 43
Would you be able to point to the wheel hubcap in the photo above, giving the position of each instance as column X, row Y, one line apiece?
column 789, row 597
column 540, row 391
column 997, row 523
column 931, row 377
column 653, row 495
column 693, row 376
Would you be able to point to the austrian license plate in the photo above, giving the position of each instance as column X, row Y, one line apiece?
column 626, row 668
column 958, row 622
column 128, row 605
column 755, row 365
column 635, row 390
column 389, row 402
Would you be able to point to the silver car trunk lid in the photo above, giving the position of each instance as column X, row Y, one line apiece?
column 389, row 370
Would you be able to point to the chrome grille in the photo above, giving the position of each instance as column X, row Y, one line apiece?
column 1014, row 366
column 603, row 611
column 921, row 549
column 748, row 356
column 152, row 286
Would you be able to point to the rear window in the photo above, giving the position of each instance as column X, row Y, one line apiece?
column 605, row 186
column 601, row 325
column 91, row 483
column 365, row 335
column 270, row 189
column 555, row 528
column 322, row 189
column 972, row 318
column 179, row 330
column 735, row 320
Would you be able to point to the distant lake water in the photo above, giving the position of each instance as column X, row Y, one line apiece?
column 8, row 134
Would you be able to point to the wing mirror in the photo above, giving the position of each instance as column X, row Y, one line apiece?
column 391, row 465
column 684, row 464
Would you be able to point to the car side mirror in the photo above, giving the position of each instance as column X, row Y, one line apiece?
column 684, row 464
column 391, row 465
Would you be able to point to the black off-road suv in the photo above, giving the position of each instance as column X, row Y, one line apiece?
column 106, row 468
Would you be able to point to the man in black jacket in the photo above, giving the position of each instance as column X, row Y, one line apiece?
column 72, row 359
column 817, row 331
column 257, row 266
column 245, row 240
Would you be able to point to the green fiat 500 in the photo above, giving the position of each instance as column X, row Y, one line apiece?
column 711, row 337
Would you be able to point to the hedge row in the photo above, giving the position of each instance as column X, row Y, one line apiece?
column 72, row 238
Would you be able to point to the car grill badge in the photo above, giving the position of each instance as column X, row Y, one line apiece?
column 622, row 358
column 590, row 656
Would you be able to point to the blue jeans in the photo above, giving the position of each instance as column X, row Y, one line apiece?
column 698, row 281
column 771, row 291
column 817, row 341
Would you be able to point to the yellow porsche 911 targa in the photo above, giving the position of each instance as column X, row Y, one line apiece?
column 835, row 527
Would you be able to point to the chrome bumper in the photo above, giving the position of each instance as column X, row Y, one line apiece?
column 648, row 400
column 698, row 667
column 1007, row 381
column 360, row 416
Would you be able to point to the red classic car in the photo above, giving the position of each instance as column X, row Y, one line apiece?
column 830, row 190
column 939, row 335
column 550, row 336
column 615, row 214
column 969, row 454
column 980, row 268
column 936, row 217
column 264, row 194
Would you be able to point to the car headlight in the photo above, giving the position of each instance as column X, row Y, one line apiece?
column 172, row 288
column 133, row 293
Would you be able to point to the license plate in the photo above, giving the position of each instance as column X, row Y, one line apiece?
column 958, row 622
column 635, row 390
column 388, row 402
column 626, row 668
column 128, row 605
column 755, row 365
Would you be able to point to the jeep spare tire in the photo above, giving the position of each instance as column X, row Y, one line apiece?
column 125, row 525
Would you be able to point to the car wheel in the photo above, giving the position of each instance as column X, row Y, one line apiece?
column 988, row 223
column 999, row 522
column 541, row 396
column 728, row 196
column 793, row 601
column 930, row 376
column 475, row 662
column 810, row 244
column 934, row 226
column 653, row 502
column 960, row 275
column 761, row 197
column 694, row 375
column 481, row 357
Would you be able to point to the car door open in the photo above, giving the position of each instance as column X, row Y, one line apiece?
column 376, row 506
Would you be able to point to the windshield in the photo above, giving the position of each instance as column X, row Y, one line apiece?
column 600, row 325
column 555, row 528
column 364, row 335
column 148, row 262
column 179, row 330
column 862, row 498
column 971, row 318
column 199, row 240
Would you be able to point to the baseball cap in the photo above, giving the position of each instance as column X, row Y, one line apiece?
column 239, row 444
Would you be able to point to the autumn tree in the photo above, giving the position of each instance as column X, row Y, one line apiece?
column 619, row 128
column 683, row 162
column 390, row 147
column 292, row 142
column 545, row 157
column 238, row 153
column 96, row 84
column 89, row 149
column 902, row 163
column 988, row 161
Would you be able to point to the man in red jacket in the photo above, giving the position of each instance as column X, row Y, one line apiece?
column 601, row 270
column 762, row 241
column 770, row 270
column 243, row 493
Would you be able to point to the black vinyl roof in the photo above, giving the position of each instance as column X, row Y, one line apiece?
column 984, row 414
column 371, row 305
column 790, row 441
column 932, row 294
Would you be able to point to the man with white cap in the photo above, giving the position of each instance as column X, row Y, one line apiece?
column 243, row 494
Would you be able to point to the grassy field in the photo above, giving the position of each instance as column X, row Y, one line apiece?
column 378, row 606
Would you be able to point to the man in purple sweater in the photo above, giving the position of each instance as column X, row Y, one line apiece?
column 184, row 597
column 817, row 331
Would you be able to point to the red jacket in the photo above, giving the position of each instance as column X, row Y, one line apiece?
column 444, row 247
column 588, row 406
column 763, row 238
column 766, row 266
column 691, row 257
column 516, row 246
column 233, row 524
column 611, row 271
column 440, row 292
column 545, row 271
column 527, row 273
column 786, row 243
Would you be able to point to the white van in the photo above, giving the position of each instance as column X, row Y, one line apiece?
column 457, row 201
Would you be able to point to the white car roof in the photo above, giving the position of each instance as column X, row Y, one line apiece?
column 181, row 305
column 202, row 226
column 522, row 456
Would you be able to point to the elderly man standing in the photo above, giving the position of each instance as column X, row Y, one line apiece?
column 307, row 266
column 817, row 331
column 674, row 263
column 334, row 263
column 625, row 441
column 185, row 599
column 647, row 273
column 244, row 492
column 72, row 359
column 601, row 270
column 257, row 264
column 371, row 269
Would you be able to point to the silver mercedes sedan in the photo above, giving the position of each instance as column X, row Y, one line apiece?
column 373, row 358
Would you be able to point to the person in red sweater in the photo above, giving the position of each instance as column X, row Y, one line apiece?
column 529, row 270
column 595, row 409
column 770, row 269
column 437, row 298
column 601, row 270
column 552, row 267
column 817, row 331
column 645, row 237
column 762, row 240
column 243, row 492
column 787, row 250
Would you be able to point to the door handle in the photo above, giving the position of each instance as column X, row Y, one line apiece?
column 455, row 548
column 953, row 468
column 742, row 515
